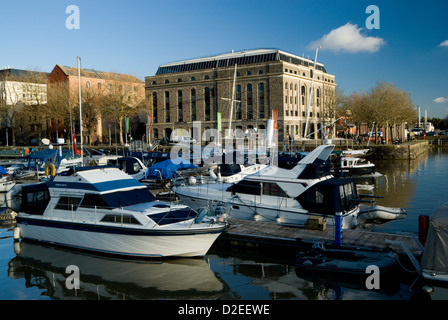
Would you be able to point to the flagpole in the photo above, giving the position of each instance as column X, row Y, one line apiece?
column 80, row 109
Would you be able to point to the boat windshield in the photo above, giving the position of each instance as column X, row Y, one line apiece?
column 118, row 199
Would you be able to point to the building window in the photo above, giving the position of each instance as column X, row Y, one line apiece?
column 261, row 100
column 318, row 97
column 303, row 95
column 193, row 104
column 260, row 72
column 99, row 86
column 207, row 103
column 154, row 107
column 179, row 105
column 250, row 107
column 167, row 106
column 238, row 104
column 192, row 79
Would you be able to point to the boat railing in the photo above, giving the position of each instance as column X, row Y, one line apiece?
column 123, row 216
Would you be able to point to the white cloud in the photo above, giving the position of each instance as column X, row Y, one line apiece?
column 444, row 44
column 440, row 100
column 348, row 38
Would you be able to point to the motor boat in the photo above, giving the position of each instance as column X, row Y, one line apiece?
column 6, row 182
column 352, row 167
column 284, row 196
column 105, row 210
column 230, row 167
column 345, row 260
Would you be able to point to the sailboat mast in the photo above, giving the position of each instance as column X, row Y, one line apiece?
column 80, row 109
column 233, row 100
column 311, row 96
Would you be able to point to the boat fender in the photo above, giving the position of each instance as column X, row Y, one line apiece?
column 212, row 174
column 192, row 181
column 16, row 233
column 50, row 169
column 17, row 247
column 307, row 263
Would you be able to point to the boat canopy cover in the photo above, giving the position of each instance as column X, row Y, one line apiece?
column 166, row 169
column 2, row 170
column 435, row 256
column 330, row 196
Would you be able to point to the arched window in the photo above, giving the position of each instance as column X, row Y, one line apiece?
column 192, row 79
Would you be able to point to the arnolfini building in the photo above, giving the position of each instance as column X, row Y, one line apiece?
column 267, row 81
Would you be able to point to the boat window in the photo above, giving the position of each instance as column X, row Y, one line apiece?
column 68, row 203
column 118, row 199
column 118, row 218
column 173, row 216
column 37, row 198
column 246, row 187
column 272, row 189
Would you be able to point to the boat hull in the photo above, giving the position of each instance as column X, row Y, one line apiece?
column 247, row 210
column 354, row 172
column 121, row 240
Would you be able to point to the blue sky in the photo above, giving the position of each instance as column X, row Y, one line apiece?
column 135, row 37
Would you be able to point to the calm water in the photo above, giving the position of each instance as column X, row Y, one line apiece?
column 34, row 272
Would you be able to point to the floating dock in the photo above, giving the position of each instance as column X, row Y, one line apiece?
column 264, row 234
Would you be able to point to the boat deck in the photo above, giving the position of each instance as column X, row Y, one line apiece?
column 257, row 234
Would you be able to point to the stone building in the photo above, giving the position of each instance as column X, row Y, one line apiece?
column 267, row 80
column 21, row 94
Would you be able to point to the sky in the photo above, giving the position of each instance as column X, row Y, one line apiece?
column 401, row 42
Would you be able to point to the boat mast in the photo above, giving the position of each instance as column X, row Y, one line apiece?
column 232, row 101
column 311, row 95
column 80, row 108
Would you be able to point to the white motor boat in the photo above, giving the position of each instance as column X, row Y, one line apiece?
column 105, row 210
column 352, row 167
column 6, row 183
column 284, row 196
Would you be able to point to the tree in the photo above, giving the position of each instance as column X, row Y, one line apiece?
column 384, row 105
column 121, row 100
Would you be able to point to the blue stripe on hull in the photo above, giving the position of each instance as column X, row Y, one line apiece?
column 112, row 229
column 99, row 186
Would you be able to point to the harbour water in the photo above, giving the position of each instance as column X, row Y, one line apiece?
column 31, row 271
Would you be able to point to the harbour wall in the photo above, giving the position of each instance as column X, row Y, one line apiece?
column 407, row 151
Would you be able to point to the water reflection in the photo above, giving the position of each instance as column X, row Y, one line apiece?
column 101, row 278
column 252, row 278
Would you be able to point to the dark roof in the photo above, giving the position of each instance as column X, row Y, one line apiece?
column 23, row 75
column 92, row 73
column 239, row 58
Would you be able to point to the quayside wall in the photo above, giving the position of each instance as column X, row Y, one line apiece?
column 406, row 151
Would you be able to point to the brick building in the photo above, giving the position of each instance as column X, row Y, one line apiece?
column 96, row 87
column 196, row 90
